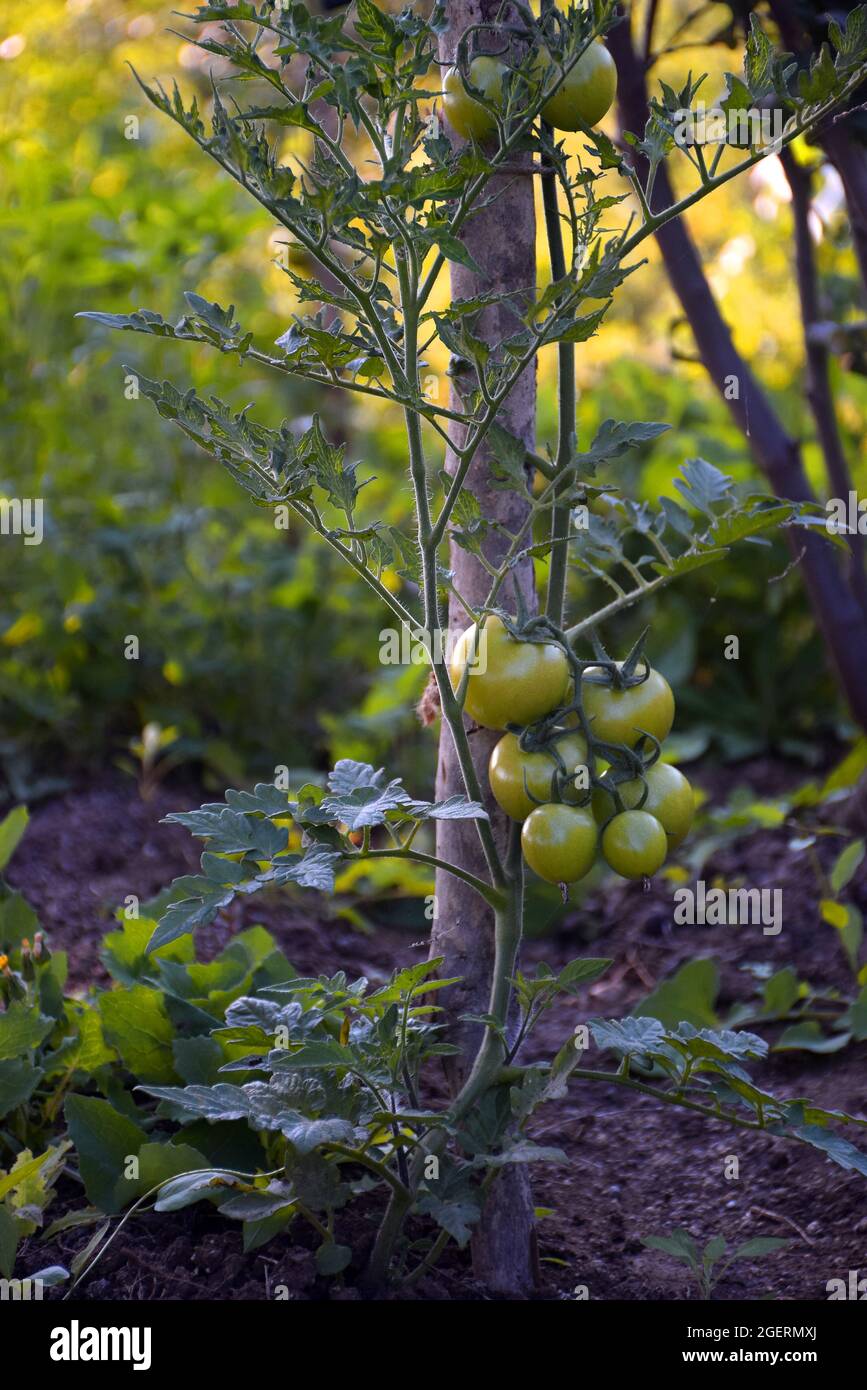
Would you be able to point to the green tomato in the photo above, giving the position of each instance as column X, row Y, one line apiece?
column 466, row 116
column 620, row 716
column 510, row 682
column 559, row 842
column 510, row 765
column 669, row 799
column 586, row 92
column 634, row 844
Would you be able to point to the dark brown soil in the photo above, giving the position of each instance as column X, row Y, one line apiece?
column 634, row 1168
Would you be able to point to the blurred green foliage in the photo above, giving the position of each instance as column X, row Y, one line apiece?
column 245, row 632
column 253, row 643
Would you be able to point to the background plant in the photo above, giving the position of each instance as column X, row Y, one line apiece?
column 709, row 1266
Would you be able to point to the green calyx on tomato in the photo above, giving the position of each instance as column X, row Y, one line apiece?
column 669, row 799
column 510, row 682
column 466, row 116
column 520, row 779
column 559, row 842
column 634, row 844
column 586, row 92
column 622, row 716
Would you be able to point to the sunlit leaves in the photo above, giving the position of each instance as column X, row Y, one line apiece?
column 760, row 62
column 851, row 40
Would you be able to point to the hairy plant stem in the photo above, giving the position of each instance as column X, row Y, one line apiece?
column 561, row 512
column 427, row 546
column 483, row 1074
column 507, row 879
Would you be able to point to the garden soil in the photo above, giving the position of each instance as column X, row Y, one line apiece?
column 633, row 1167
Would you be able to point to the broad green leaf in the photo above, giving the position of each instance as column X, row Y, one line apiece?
column 105, row 1141
column 17, row 919
column 758, row 1246
column 781, row 992
column 258, row 1233
column 837, row 1149
column 160, row 1161
column 92, row 1050
column 809, row 1037
column 18, row 1080
column 690, row 995
column 136, row 1023
column 12, row 828
column 846, row 865
column 332, row 1259
column 197, row 1060
column 22, row 1028
column 582, row 971
column 680, row 1245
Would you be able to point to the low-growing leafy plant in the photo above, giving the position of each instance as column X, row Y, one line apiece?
column 282, row 1099
column 709, row 1266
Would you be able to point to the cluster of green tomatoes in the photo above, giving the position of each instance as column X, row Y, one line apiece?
column 582, row 99
column 581, row 768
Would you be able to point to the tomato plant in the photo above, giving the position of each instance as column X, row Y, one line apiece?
column 380, row 226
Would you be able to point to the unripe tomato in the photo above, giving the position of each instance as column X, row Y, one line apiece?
column 510, row 765
column 559, row 842
column 669, row 799
column 466, row 116
column 619, row 716
column 510, row 682
column 586, row 92
column 634, row 844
